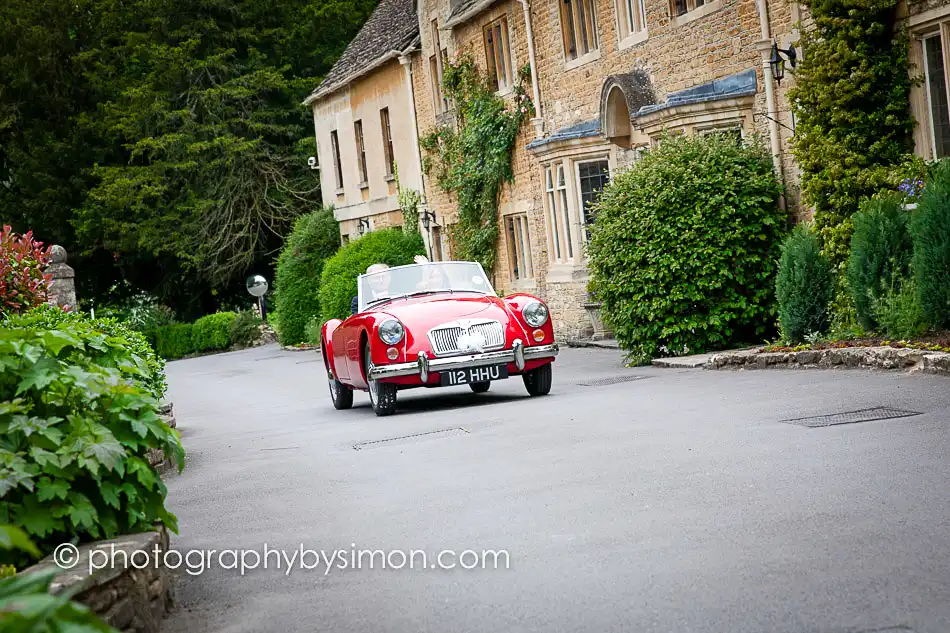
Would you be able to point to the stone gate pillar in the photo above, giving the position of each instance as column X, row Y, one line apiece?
column 62, row 291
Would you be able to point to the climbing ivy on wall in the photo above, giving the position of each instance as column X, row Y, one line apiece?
column 472, row 159
column 852, row 103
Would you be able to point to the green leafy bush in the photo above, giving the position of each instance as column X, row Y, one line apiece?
column 684, row 247
column 853, row 124
column 174, row 341
column 315, row 237
column 138, row 310
column 26, row 603
column 930, row 228
column 881, row 252
column 338, row 281
column 47, row 317
column 245, row 329
column 804, row 286
column 898, row 310
column 312, row 331
column 213, row 332
column 75, row 431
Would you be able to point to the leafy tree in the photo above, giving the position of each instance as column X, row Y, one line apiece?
column 164, row 142
column 852, row 107
column 316, row 236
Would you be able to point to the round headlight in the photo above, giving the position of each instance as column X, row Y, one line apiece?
column 391, row 331
column 535, row 313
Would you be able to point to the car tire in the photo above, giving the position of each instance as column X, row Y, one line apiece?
column 480, row 387
column 382, row 395
column 538, row 380
column 340, row 394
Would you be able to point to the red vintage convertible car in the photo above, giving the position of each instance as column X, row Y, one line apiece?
column 435, row 324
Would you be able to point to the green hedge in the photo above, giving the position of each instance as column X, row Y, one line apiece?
column 47, row 317
column 315, row 237
column 881, row 252
column 683, row 251
column 75, row 431
column 338, row 281
column 930, row 228
column 804, row 286
column 174, row 341
column 213, row 332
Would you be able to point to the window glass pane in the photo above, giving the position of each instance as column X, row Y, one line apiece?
column 338, row 166
column 582, row 26
column 592, row 178
column 524, row 247
column 937, row 93
column 679, row 7
column 512, row 249
column 555, row 231
column 565, row 212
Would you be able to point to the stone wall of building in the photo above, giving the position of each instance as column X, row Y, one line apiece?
column 721, row 39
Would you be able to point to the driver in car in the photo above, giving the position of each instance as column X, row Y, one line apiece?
column 378, row 286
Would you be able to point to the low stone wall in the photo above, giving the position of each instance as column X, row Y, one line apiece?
column 889, row 358
column 131, row 593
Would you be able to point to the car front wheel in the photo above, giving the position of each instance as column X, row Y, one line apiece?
column 538, row 380
column 341, row 395
column 382, row 395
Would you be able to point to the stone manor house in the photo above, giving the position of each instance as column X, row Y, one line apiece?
column 608, row 77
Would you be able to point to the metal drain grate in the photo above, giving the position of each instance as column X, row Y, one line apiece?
column 405, row 439
column 853, row 417
column 613, row 380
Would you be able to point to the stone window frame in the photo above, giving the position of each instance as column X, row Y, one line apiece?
column 518, row 242
column 506, row 67
column 568, row 18
column 923, row 27
column 694, row 10
column 564, row 222
column 627, row 36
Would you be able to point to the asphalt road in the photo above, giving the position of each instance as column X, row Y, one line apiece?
column 678, row 502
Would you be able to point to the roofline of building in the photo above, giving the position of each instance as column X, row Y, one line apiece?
column 469, row 13
column 323, row 91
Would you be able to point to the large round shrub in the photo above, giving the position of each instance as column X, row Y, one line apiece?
column 684, row 246
column 315, row 237
column 879, row 261
column 804, row 286
column 338, row 282
column 930, row 228
column 47, row 317
column 213, row 331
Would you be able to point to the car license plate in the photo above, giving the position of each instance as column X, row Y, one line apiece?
column 473, row 374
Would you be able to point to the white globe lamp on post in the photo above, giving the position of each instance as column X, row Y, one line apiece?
column 257, row 287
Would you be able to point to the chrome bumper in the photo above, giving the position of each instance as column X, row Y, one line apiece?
column 518, row 354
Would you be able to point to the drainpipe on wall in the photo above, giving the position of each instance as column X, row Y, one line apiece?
column 774, row 139
column 407, row 64
column 538, row 121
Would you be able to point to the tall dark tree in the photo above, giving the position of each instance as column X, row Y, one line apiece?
column 164, row 139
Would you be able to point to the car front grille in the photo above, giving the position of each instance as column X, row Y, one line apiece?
column 445, row 339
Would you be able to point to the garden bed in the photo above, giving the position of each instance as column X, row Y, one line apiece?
column 938, row 342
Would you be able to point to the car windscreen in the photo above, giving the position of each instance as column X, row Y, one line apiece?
column 420, row 279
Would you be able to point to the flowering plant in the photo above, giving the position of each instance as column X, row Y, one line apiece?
column 23, row 282
column 912, row 188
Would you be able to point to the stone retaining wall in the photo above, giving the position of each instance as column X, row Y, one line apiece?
column 890, row 358
column 131, row 596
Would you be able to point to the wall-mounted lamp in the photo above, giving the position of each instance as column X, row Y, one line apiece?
column 312, row 161
column 777, row 61
column 363, row 226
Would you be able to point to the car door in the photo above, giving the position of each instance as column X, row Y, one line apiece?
column 340, row 362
